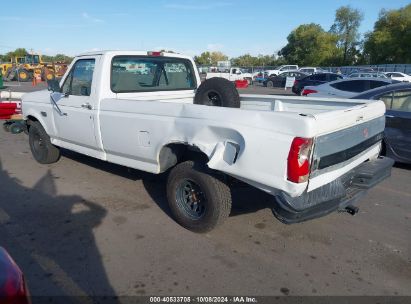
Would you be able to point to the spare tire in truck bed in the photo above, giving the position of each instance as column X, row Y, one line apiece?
column 218, row 92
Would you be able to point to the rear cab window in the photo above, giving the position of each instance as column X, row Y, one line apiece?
column 148, row 74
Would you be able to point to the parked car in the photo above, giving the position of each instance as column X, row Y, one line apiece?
column 13, row 288
column 346, row 88
column 233, row 75
column 362, row 70
column 367, row 75
column 281, row 69
column 399, row 76
column 397, row 134
column 260, row 77
column 314, row 80
column 279, row 80
column 311, row 70
column 168, row 121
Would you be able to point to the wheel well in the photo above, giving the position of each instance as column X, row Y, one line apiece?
column 172, row 154
column 30, row 119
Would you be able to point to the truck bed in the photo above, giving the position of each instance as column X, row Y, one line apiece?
column 304, row 105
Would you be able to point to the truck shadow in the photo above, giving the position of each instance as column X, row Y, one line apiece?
column 246, row 199
column 402, row 166
column 51, row 238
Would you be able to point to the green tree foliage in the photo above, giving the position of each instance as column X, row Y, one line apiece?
column 210, row 58
column 260, row 60
column 57, row 58
column 20, row 52
column 309, row 45
column 346, row 24
column 390, row 42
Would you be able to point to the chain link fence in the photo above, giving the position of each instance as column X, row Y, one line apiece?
column 404, row 68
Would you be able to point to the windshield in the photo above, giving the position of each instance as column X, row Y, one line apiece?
column 33, row 59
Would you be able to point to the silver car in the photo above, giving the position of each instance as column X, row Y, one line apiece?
column 346, row 88
column 368, row 75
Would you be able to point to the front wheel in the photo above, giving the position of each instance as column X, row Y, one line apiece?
column 41, row 147
column 23, row 75
column 199, row 201
column 270, row 84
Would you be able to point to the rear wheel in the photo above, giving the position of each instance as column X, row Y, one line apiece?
column 270, row 84
column 41, row 147
column 199, row 201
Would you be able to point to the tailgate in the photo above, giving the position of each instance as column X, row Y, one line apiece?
column 346, row 138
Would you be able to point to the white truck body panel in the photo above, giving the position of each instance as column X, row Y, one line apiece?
column 131, row 129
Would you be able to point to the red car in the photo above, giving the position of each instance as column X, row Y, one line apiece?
column 13, row 289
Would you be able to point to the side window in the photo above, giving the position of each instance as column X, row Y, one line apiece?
column 402, row 101
column 350, row 86
column 375, row 84
column 333, row 77
column 79, row 81
column 147, row 74
column 234, row 71
column 321, row 77
column 387, row 98
column 67, row 83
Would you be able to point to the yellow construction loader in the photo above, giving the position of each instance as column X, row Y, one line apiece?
column 31, row 66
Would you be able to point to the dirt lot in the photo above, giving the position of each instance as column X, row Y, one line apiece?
column 86, row 227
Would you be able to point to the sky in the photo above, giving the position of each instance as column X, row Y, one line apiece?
column 234, row 27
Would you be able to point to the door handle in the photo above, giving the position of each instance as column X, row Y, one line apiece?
column 389, row 116
column 87, row 106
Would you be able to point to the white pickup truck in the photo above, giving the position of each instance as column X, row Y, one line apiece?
column 233, row 75
column 140, row 110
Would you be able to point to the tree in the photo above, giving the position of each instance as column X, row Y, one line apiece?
column 19, row 52
column 248, row 60
column 390, row 41
column 207, row 58
column 346, row 24
column 309, row 44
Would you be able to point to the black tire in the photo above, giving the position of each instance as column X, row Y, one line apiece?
column 23, row 76
column 270, row 84
column 199, row 201
column 217, row 92
column 41, row 147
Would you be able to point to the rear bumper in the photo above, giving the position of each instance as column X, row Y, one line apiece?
column 336, row 195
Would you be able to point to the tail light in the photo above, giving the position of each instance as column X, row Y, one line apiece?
column 13, row 288
column 298, row 163
column 308, row 91
column 295, row 82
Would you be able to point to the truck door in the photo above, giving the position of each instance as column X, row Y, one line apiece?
column 75, row 124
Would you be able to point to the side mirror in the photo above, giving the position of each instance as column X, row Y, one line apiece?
column 53, row 85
